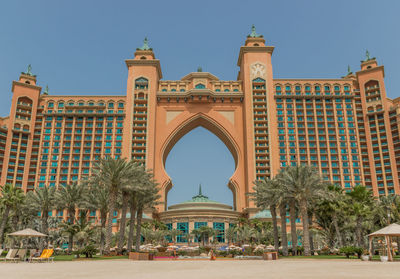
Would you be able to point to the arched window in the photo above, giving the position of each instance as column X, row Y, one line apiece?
column 258, row 80
column 200, row 86
column 141, row 83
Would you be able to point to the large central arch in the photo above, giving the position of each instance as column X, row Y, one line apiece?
column 174, row 120
column 201, row 120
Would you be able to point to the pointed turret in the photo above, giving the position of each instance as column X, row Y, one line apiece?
column 369, row 62
column 254, row 39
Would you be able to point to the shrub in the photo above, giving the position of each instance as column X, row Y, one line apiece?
column 359, row 251
column 258, row 252
column 88, row 251
column 181, row 253
column 202, row 250
column 248, row 251
column 300, row 250
column 222, row 253
column 325, row 251
column 235, row 252
column 348, row 251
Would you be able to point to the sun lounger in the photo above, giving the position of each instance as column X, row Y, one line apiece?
column 20, row 255
column 46, row 255
column 11, row 255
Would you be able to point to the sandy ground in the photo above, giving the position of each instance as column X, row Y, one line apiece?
column 202, row 269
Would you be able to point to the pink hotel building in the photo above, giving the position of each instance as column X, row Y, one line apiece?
column 346, row 127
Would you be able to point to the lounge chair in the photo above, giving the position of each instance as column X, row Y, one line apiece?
column 21, row 255
column 11, row 255
column 46, row 255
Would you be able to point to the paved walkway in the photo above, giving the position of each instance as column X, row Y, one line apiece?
column 114, row 269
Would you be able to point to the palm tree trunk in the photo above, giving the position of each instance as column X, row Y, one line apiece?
column 103, row 216
column 131, row 226
column 310, row 216
column 113, row 197
column 71, row 214
column 292, row 209
column 359, row 232
column 272, row 208
column 122, row 225
column 336, row 225
column 45, row 229
column 15, row 227
column 282, row 214
column 306, row 232
column 138, row 228
column 4, row 223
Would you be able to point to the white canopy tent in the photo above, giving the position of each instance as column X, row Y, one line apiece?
column 28, row 233
column 388, row 232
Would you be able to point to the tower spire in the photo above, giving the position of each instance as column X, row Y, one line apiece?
column 200, row 194
column 29, row 71
column 349, row 70
column 253, row 33
column 145, row 45
column 46, row 90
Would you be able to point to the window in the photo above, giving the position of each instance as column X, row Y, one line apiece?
column 183, row 228
column 220, row 227
column 200, row 86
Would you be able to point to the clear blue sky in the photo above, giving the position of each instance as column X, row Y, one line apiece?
column 79, row 47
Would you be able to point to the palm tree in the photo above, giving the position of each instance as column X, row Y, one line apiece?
column 43, row 201
column 11, row 197
column 266, row 196
column 329, row 208
column 388, row 209
column 245, row 234
column 282, row 214
column 127, row 190
column 293, row 217
column 303, row 183
column 71, row 197
column 230, row 234
column 173, row 234
column 203, row 233
column 361, row 207
column 97, row 198
column 282, row 202
column 147, row 198
column 132, row 208
column 114, row 174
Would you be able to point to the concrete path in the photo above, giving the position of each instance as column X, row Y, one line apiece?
column 114, row 269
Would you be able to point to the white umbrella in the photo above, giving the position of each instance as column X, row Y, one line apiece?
column 28, row 232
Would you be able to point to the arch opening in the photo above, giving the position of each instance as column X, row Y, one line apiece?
column 198, row 155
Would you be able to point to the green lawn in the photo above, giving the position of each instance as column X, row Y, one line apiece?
column 95, row 258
